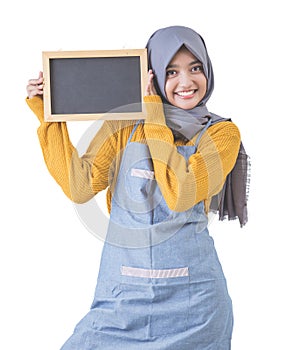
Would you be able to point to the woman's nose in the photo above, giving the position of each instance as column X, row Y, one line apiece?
column 185, row 80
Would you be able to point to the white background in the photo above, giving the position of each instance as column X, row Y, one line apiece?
column 49, row 262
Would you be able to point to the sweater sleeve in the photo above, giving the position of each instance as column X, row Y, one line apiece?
column 186, row 183
column 79, row 177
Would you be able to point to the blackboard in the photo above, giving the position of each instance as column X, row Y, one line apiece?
column 87, row 85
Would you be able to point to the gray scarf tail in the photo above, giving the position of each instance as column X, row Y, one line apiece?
column 231, row 202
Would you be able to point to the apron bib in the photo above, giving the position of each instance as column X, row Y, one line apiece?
column 160, row 284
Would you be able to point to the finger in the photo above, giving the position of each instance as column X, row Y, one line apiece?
column 149, row 83
column 147, row 90
column 31, row 87
column 33, row 90
column 36, row 82
column 152, row 90
column 150, row 76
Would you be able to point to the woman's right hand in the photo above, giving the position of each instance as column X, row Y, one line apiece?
column 35, row 86
column 150, row 88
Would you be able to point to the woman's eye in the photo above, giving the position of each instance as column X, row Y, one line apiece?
column 197, row 69
column 170, row 73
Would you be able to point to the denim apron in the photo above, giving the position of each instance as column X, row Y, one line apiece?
column 160, row 284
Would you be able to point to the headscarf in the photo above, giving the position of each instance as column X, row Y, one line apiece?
column 162, row 47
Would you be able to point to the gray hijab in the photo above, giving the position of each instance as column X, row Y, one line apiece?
column 231, row 202
column 162, row 46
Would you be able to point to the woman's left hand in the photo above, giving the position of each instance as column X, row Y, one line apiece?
column 35, row 86
column 150, row 88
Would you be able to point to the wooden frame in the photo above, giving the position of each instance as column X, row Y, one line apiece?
column 66, row 74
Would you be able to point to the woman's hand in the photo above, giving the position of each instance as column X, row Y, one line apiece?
column 35, row 86
column 150, row 88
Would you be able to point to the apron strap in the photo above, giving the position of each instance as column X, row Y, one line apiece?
column 201, row 133
column 133, row 130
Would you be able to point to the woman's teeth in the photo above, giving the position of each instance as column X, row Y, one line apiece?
column 185, row 93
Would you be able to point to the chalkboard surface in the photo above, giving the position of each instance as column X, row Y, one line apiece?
column 81, row 85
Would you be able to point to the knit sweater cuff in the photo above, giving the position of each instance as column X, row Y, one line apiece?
column 155, row 124
column 37, row 106
column 154, row 110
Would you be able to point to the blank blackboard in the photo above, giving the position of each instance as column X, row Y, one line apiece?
column 84, row 85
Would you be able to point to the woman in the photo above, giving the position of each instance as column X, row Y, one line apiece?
column 160, row 284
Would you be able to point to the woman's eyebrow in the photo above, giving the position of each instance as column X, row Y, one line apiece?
column 176, row 65
column 172, row 66
column 194, row 62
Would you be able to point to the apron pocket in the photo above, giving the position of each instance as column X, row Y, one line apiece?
column 140, row 185
column 170, row 309
column 166, row 297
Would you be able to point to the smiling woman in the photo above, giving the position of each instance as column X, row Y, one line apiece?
column 160, row 279
column 186, row 83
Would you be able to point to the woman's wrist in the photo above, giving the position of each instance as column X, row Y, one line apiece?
column 154, row 110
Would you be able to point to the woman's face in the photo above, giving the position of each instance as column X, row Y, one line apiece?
column 186, row 83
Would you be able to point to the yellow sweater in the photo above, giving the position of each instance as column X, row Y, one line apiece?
column 183, row 184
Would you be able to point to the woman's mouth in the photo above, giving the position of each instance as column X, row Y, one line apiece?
column 186, row 93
